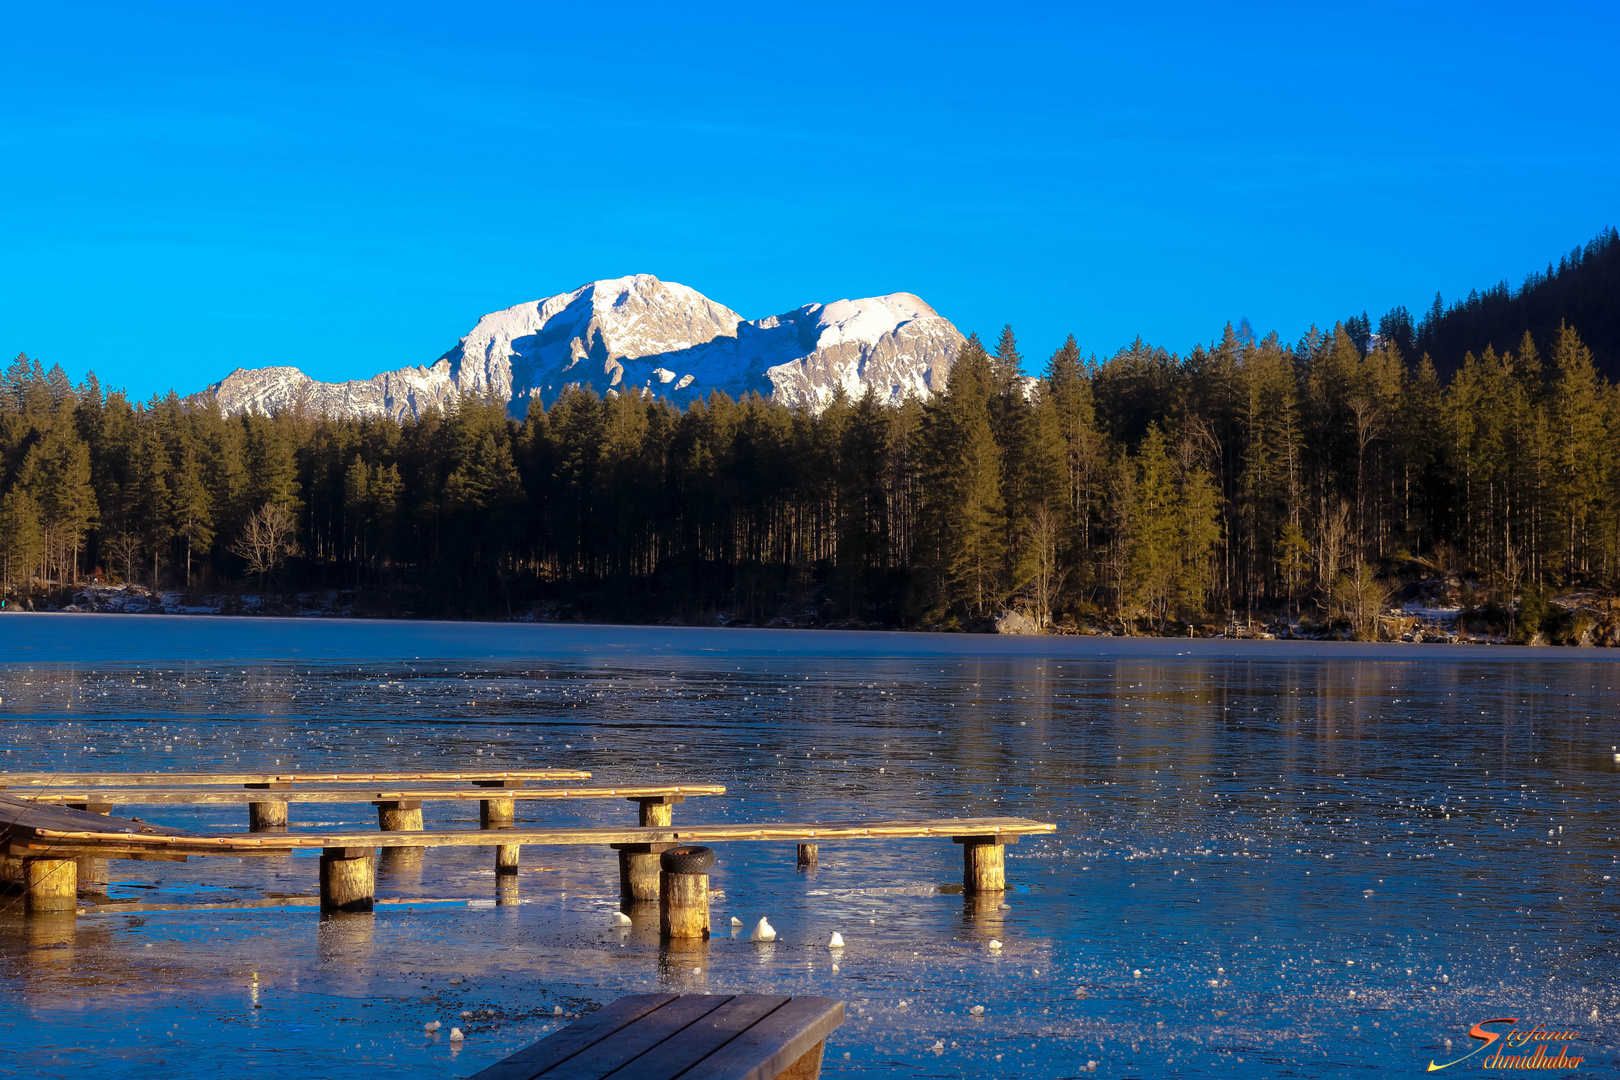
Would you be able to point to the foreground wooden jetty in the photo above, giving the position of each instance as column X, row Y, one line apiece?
column 50, row 838
column 713, row 1036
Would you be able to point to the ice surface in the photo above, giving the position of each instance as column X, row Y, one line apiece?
column 1198, row 793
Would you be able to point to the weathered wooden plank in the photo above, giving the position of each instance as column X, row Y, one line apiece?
column 22, row 848
column 778, row 1040
column 702, row 1039
column 118, row 907
column 23, row 815
column 645, row 1035
column 156, row 796
column 582, row 1034
column 233, row 843
column 38, row 779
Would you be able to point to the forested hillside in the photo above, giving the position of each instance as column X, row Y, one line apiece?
column 1249, row 475
column 1583, row 290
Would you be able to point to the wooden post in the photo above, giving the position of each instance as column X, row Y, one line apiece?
column 495, row 814
column 638, row 871
column 807, row 856
column 11, row 872
column 267, row 816
column 506, row 858
column 983, row 864
column 683, row 906
column 499, row 814
column 404, row 815
column 658, row 811
column 808, row 1067
column 93, row 873
column 52, row 884
column 348, row 879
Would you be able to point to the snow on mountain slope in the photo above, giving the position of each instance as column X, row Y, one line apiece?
column 648, row 336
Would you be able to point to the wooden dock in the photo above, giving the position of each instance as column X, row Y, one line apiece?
column 712, row 1036
column 494, row 777
column 48, row 836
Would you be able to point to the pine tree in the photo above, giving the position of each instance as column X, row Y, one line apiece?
column 57, row 472
column 1199, row 526
column 22, row 540
column 192, row 504
column 966, row 514
column 1577, row 427
column 1013, row 426
column 1156, row 579
column 357, row 513
column 150, row 509
column 1073, row 456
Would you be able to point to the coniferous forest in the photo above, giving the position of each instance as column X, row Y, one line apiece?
column 1147, row 490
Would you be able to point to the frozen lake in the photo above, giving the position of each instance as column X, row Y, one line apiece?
column 1273, row 858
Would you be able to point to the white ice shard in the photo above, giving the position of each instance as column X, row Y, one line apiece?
column 837, row 941
column 763, row 932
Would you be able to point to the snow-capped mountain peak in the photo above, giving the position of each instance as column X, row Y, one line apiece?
column 640, row 334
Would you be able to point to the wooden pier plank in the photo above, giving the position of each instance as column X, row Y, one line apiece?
column 776, row 1042
column 27, row 815
column 194, row 844
column 698, row 1041
column 582, row 1034
column 171, row 779
column 643, row 1037
column 158, row 796
column 712, row 1037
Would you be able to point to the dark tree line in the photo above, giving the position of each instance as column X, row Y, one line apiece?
column 1248, row 476
column 1581, row 289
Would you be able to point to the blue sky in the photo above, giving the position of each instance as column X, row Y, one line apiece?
column 186, row 189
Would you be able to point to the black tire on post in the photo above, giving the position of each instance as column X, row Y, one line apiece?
column 687, row 860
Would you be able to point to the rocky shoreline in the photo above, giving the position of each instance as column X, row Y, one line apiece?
column 1591, row 620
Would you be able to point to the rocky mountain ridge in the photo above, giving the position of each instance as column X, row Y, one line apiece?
column 641, row 335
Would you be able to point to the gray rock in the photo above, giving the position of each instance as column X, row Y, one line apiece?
column 1016, row 622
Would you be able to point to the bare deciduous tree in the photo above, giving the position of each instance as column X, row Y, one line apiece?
column 124, row 549
column 1333, row 538
column 1047, row 582
column 267, row 540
